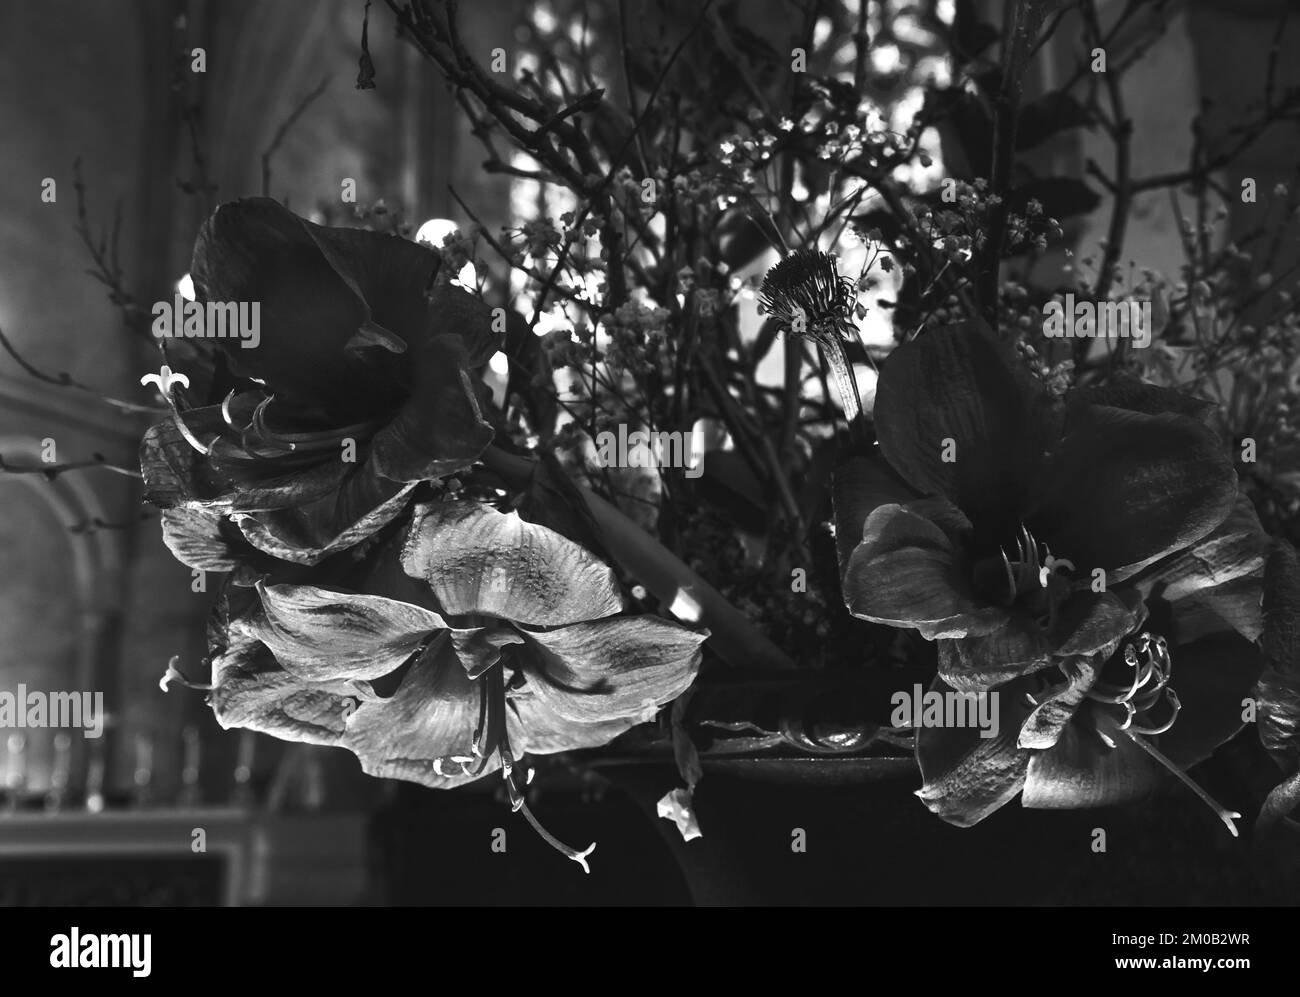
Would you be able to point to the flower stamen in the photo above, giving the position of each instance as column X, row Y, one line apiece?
column 1140, row 698
column 168, row 381
column 174, row 674
column 492, row 738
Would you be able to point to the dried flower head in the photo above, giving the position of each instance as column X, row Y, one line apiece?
column 808, row 285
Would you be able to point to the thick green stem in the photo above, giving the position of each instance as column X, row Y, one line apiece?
column 688, row 596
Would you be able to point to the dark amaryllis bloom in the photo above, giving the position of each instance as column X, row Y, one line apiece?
column 1027, row 535
column 1099, row 732
column 806, row 294
column 357, row 390
column 448, row 654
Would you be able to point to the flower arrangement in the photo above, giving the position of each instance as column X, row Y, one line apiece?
column 831, row 271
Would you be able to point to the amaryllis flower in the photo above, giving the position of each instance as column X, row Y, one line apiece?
column 357, row 389
column 1026, row 536
column 1003, row 523
column 446, row 657
column 1099, row 731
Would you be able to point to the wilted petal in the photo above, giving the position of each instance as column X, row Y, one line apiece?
column 203, row 540
column 308, row 533
column 967, row 776
column 1088, row 624
column 678, row 806
column 1057, row 706
column 1218, row 579
column 972, row 664
column 251, row 691
column 425, row 731
column 321, row 635
column 612, row 669
column 907, row 573
column 478, row 560
column 175, row 474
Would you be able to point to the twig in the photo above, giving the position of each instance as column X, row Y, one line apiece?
column 65, row 380
column 52, row 471
column 283, row 130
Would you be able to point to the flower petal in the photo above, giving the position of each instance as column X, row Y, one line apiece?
column 1279, row 686
column 321, row 635
column 1056, row 708
column 614, row 668
column 1215, row 584
column 1081, row 771
column 1282, row 801
column 250, row 690
column 959, row 384
column 1088, row 624
column 439, row 430
column 860, row 485
column 1124, row 487
column 312, row 531
column 1138, row 396
column 967, row 776
column 203, row 540
column 316, row 288
column 174, row 473
column 418, row 733
column 481, row 648
column 478, row 560
column 535, row 728
column 907, row 573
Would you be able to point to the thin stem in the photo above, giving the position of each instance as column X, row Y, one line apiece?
column 578, row 856
column 1225, row 815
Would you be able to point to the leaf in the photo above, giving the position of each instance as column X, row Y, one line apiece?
column 1049, row 115
column 1061, row 197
